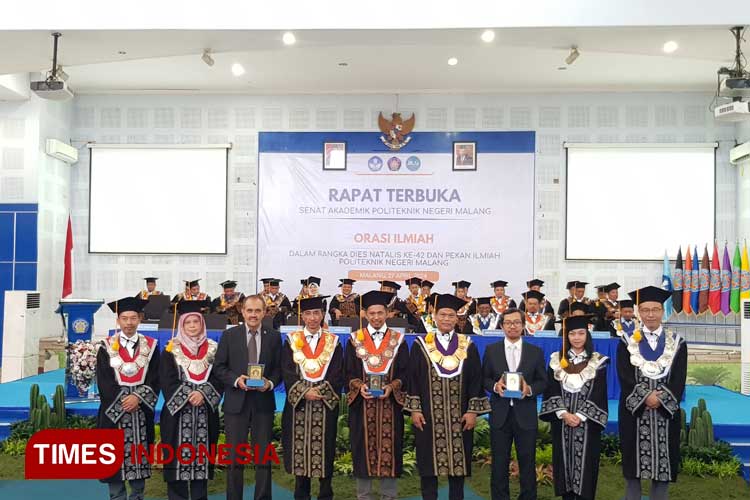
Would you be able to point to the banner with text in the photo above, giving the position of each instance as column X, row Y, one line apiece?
column 396, row 214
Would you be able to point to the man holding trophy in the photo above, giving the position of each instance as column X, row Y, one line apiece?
column 514, row 372
column 376, row 364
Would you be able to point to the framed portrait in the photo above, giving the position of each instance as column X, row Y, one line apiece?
column 465, row 156
column 334, row 156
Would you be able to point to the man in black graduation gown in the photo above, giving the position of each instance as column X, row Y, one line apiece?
column 278, row 306
column 545, row 307
column 346, row 303
column 484, row 319
column 127, row 374
column 312, row 370
column 427, row 288
column 577, row 289
column 469, row 306
column 229, row 303
column 150, row 289
column 415, row 303
column 513, row 420
column 249, row 408
column 626, row 321
column 193, row 292
column 534, row 319
column 652, row 367
column 445, row 397
column 396, row 307
column 376, row 356
column 500, row 302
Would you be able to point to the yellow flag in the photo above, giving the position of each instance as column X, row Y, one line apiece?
column 744, row 275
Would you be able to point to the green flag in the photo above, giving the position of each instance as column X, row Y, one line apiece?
column 734, row 297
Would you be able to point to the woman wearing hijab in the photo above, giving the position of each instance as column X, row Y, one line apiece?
column 575, row 403
column 191, row 410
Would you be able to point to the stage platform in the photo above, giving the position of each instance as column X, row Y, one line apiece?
column 730, row 410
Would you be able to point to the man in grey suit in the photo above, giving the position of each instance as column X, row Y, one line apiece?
column 249, row 408
column 513, row 419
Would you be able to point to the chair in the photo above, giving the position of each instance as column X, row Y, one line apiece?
column 166, row 321
column 267, row 323
column 352, row 323
column 398, row 323
column 157, row 304
column 216, row 321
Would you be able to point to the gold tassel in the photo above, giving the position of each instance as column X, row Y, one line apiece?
column 637, row 336
column 299, row 341
column 564, row 363
column 429, row 338
column 116, row 343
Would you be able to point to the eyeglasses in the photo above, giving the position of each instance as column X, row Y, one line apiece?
column 655, row 310
column 512, row 323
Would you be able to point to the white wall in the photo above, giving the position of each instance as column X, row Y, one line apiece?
column 613, row 117
column 54, row 207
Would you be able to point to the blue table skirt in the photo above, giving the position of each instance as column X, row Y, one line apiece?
column 607, row 347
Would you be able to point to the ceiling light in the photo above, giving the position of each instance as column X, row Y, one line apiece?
column 237, row 69
column 452, row 61
column 289, row 38
column 572, row 56
column 488, row 36
column 670, row 46
column 207, row 57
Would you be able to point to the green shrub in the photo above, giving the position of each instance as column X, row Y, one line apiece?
column 610, row 444
column 544, row 455
column 14, row 447
column 708, row 375
column 719, row 452
column 722, row 470
column 543, row 433
column 344, row 464
column 482, row 433
column 410, row 462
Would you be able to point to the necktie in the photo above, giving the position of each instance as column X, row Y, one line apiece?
column 512, row 361
column 252, row 349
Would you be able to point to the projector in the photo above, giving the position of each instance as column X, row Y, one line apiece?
column 54, row 90
column 733, row 112
column 734, row 87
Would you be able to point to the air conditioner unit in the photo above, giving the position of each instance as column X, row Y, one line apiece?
column 745, row 346
column 739, row 153
column 61, row 151
column 21, row 325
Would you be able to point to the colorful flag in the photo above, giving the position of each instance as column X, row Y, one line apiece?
column 687, row 283
column 677, row 283
column 666, row 284
column 726, row 282
column 734, row 297
column 695, row 283
column 714, row 285
column 705, row 282
column 744, row 275
column 67, row 286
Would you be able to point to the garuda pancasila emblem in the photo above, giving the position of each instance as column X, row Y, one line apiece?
column 396, row 130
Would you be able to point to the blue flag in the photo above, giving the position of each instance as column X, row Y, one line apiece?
column 695, row 283
column 666, row 284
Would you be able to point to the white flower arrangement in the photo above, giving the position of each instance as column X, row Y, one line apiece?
column 82, row 364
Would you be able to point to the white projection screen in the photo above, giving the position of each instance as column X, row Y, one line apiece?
column 634, row 201
column 158, row 200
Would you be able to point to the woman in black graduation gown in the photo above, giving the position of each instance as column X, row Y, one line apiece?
column 575, row 403
column 192, row 393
